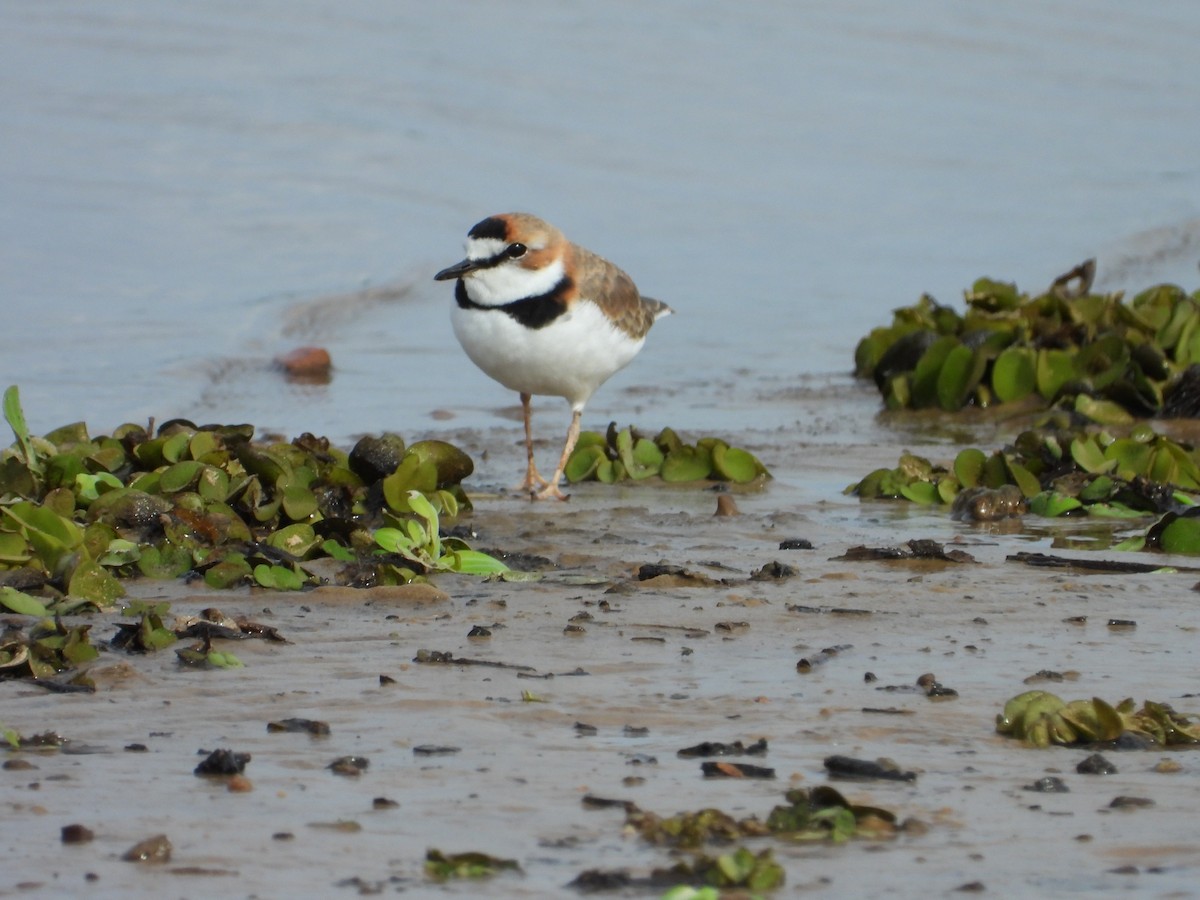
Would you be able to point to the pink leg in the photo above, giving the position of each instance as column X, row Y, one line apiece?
column 552, row 489
column 533, row 480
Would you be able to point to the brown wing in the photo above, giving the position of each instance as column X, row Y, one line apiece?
column 613, row 291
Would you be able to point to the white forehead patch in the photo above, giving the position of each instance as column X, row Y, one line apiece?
column 484, row 248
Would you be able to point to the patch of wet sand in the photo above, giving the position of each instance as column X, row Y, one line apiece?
column 686, row 664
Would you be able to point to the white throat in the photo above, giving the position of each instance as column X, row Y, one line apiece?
column 510, row 281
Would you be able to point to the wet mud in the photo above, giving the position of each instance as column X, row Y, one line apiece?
column 486, row 716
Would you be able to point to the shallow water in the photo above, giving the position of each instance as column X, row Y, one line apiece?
column 191, row 190
column 185, row 185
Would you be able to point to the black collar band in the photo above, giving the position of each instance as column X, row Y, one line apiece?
column 532, row 312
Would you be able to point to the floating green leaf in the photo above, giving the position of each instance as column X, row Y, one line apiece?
column 20, row 602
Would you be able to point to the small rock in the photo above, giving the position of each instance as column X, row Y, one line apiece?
column 796, row 544
column 76, row 834
column 772, row 571
column 1048, row 785
column 726, row 506
column 1124, row 802
column 298, row 725
column 155, row 849
column 306, row 363
column 349, row 765
column 1096, row 765
column 223, row 762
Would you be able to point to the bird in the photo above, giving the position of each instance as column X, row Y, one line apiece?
column 546, row 317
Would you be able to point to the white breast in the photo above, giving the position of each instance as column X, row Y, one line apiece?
column 570, row 357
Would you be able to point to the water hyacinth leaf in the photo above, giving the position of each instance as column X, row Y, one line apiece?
column 109, row 457
column 922, row 492
column 280, row 578
column 119, row 552
column 181, row 476
column 993, row 296
column 968, row 467
column 1023, row 479
column 165, row 561
column 733, row 464
column 299, row 502
column 948, row 488
column 412, row 474
column 1103, row 411
column 686, row 464
column 442, row 867
column 583, row 463
column 229, row 572
column 959, row 375
column 14, row 549
column 89, row 487
column 15, row 416
column 1131, row 457
column 1180, row 534
column 92, row 582
column 1014, row 374
column 1099, row 488
column 1113, row 510
column 77, row 648
column 1052, row 504
column 175, row 447
column 258, row 462
column 647, row 457
column 334, row 550
column 1088, row 456
column 213, row 483
column 50, row 534
column 153, row 635
column 203, row 444
column 63, row 470
column 21, row 603
column 668, row 441
column 475, row 562
column 450, row 464
column 898, row 393
column 927, row 372
column 393, row 540
column 298, row 540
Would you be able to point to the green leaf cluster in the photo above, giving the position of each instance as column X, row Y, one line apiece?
column 1068, row 471
column 625, row 454
column 441, row 866
column 1105, row 358
column 47, row 648
column 79, row 513
column 1042, row 718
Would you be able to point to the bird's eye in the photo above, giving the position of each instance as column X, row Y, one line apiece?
column 515, row 251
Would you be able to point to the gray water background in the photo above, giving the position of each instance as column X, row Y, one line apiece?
column 190, row 189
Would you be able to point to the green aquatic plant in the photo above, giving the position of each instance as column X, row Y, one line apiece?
column 1096, row 354
column 625, row 454
column 1041, row 718
column 1055, row 470
column 418, row 541
column 441, row 866
column 79, row 514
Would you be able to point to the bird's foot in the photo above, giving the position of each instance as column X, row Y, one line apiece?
column 550, row 492
column 533, row 482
